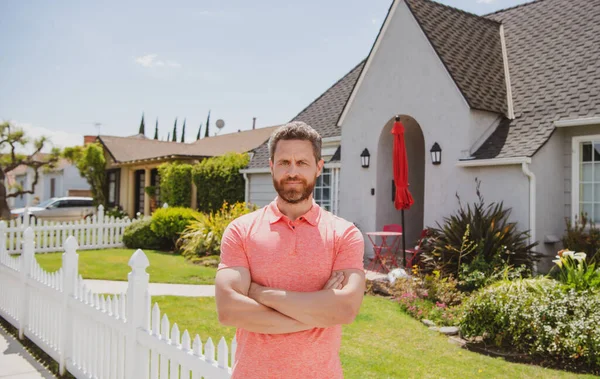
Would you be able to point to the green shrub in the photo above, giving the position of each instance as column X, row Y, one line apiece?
column 203, row 235
column 218, row 180
column 442, row 289
column 175, row 184
column 139, row 235
column 169, row 223
column 537, row 317
column 574, row 272
column 480, row 237
column 582, row 236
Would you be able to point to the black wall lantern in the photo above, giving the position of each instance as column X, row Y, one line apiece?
column 436, row 154
column 365, row 158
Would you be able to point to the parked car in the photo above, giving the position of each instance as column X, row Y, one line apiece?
column 59, row 209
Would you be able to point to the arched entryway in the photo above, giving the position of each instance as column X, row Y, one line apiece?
column 415, row 151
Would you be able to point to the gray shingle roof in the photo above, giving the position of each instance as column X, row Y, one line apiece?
column 554, row 62
column 470, row 48
column 322, row 114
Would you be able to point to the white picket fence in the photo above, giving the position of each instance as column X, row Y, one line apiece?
column 95, row 232
column 96, row 337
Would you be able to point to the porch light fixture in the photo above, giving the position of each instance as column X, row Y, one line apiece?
column 436, row 154
column 365, row 158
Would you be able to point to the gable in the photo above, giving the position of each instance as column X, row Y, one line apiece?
column 469, row 46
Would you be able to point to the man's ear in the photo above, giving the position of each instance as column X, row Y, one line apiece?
column 271, row 166
column 320, row 165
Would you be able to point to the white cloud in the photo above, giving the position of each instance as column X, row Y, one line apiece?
column 149, row 60
column 375, row 21
column 58, row 138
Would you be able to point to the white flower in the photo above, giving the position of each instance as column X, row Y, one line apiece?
column 579, row 256
column 568, row 253
column 558, row 262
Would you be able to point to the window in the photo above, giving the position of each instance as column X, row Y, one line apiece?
column 52, row 187
column 22, row 184
column 323, row 190
column 112, row 189
column 586, row 177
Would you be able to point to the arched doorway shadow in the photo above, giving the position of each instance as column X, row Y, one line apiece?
column 385, row 212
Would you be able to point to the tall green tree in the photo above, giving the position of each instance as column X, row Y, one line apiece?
column 90, row 162
column 142, row 126
column 13, row 138
column 207, row 125
column 175, row 131
column 169, row 136
column 156, row 130
column 199, row 130
column 183, row 131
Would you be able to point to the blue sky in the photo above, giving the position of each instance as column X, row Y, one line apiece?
column 67, row 65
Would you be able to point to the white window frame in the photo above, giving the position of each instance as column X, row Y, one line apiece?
column 575, row 153
column 334, row 181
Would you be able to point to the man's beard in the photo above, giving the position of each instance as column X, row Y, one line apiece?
column 294, row 195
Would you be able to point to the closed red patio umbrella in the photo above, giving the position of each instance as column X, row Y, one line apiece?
column 402, row 199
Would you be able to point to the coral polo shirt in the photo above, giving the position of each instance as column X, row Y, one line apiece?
column 295, row 256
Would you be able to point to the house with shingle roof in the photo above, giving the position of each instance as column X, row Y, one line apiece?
column 512, row 98
column 132, row 162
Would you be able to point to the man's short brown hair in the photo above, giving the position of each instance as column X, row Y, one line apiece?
column 296, row 130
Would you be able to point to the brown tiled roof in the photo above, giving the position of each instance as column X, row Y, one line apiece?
column 132, row 149
column 322, row 114
column 470, row 48
column 554, row 62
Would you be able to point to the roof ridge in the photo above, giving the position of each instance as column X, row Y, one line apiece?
column 330, row 87
column 513, row 7
column 458, row 10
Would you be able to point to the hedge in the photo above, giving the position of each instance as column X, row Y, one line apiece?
column 218, row 180
column 176, row 184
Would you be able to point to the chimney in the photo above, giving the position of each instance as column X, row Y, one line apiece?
column 88, row 139
column 253, row 123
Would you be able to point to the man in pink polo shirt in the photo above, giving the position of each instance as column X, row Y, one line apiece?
column 291, row 273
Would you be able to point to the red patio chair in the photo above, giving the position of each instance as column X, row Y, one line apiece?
column 415, row 256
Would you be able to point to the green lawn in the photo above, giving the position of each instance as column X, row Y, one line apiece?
column 111, row 264
column 383, row 342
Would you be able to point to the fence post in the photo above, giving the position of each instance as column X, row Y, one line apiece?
column 100, row 220
column 70, row 261
column 138, row 311
column 26, row 259
column 25, row 218
column 3, row 239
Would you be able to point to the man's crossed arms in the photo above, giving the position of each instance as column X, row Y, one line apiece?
column 247, row 305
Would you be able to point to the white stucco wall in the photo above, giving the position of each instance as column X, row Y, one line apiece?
column 407, row 77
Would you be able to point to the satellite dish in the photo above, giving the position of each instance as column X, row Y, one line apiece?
column 220, row 124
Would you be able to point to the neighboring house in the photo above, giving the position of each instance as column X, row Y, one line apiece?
column 512, row 98
column 132, row 162
column 63, row 180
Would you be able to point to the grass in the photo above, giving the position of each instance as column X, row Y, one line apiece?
column 383, row 342
column 111, row 264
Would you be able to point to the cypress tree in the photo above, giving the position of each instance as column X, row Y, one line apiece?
column 183, row 132
column 207, row 125
column 142, row 126
column 199, row 129
column 156, row 130
column 175, row 131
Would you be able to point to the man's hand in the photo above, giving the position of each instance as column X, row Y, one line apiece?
column 335, row 281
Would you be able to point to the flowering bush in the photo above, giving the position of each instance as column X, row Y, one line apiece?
column 574, row 272
column 537, row 317
column 440, row 313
